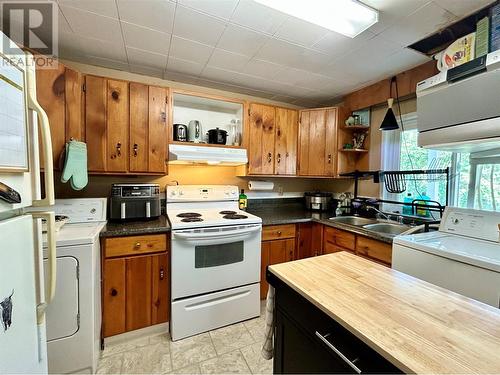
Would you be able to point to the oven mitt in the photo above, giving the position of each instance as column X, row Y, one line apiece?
column 75, row 165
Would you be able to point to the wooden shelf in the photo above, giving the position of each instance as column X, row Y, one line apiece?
column 354, row 150
column 356, row 127
column 202, row 144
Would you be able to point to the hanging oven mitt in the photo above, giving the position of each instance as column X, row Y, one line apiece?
column 75, row 165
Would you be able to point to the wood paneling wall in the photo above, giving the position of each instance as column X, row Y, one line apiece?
column 379, row 92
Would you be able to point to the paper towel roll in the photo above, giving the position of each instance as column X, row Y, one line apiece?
column 260, row 185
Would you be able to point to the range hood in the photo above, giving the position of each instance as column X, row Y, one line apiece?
column 459, row 109
column 189, row 154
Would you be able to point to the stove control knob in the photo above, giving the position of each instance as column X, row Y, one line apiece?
column 172, row 193
column 181, row 193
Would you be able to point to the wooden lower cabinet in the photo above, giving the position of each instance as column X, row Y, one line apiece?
column 135, row 291
column 338, row 240
column 275, row 251
column 309, row 240
column 374, row 250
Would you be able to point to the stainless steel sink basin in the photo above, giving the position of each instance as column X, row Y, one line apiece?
column 352, row 220
column 387, row 228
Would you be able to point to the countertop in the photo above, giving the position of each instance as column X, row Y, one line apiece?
column 270, row 215
column 417, row 326
column 294, row 214
column 137, row 227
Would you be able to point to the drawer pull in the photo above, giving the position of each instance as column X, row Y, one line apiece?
column 137, row 245
column 279, row 233
column 114, row 292
column 338, row 352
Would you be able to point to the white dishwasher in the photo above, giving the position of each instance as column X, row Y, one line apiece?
column 463, row 256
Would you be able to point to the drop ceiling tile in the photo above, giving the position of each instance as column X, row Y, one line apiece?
column 280, row 52
column 462, row 8
column 190, row 50
column 403, row 60
column 335, row 44
column 227, row 60
column 62, row 23
column 391, row 11
column 106, row 63
column 146, row 39
column 78, row 45
column 101, row 7
column 419, row 24
column 148, row 59
column 241, row 40
column 300, row 32
column 154, row 14
column 283, row 98
column 180, row 77
column 220, row 75
column 258, row 17
column 197, row 26
column 263, row 68
column 306, row 79
column 147, row 71
column 184, row 66
column 92, row 25
column 312, row 60
column 218, row 8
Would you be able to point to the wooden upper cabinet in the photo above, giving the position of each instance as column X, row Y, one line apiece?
column 317, row 142
column 261, row 139
column 287, row 122
column 59, row 92
column 95, row 123
column 117, row 126
column 157, row 129
column 139, row 127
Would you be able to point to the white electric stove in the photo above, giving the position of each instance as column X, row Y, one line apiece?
column 463, row 256
column 215, row 259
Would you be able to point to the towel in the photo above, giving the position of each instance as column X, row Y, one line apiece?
column 267, row 347
column 75, row 165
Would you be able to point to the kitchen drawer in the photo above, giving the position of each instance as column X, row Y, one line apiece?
column 277, row 232
column 135, row 245
column 374, row 249
column 336, row 237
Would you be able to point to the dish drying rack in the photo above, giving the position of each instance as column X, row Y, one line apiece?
column 396, row 182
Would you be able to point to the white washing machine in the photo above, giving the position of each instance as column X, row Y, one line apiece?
column 74, row 316
column 463, row 256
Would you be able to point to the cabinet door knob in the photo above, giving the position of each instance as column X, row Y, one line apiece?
column 115, row 95
column 136, row 149
column 269, row 157
column 279, row 233
column 119, row 149
column 279, row 158
column 137, row 245
column 114, row 292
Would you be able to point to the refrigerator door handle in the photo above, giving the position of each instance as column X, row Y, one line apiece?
column 45, row 140
column 50, row 218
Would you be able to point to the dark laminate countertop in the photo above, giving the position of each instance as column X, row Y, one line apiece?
column 131, row 228
column 273, row 214
column 296, row 213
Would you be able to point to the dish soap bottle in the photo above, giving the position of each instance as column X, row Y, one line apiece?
column 408, row 208
column 424, row 199
column 243, row 201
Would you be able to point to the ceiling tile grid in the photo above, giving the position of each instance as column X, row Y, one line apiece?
column 241, row 44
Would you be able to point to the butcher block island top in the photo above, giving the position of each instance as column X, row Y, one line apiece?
column 417, row 326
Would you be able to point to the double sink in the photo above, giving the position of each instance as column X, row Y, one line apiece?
column 374, row 225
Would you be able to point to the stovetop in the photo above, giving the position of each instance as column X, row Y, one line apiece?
column 182, row 218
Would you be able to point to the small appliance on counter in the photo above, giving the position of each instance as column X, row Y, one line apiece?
column 195, row 131
column 320, row 201
column 180, row 132
column 217, row 136
column 134, row 201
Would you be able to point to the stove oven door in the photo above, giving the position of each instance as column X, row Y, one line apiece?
column 212, row 259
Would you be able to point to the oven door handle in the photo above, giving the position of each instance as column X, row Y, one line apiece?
column 221, row 234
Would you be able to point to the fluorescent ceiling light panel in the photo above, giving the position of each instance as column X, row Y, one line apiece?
column 347, row 17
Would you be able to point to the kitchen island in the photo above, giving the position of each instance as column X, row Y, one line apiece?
column 342, row 313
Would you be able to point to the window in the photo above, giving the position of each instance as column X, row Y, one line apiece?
column 474, row 178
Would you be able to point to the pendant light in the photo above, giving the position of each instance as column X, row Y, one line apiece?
column 390, row 122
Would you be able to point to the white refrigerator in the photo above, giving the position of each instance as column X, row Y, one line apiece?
column 24, row 292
